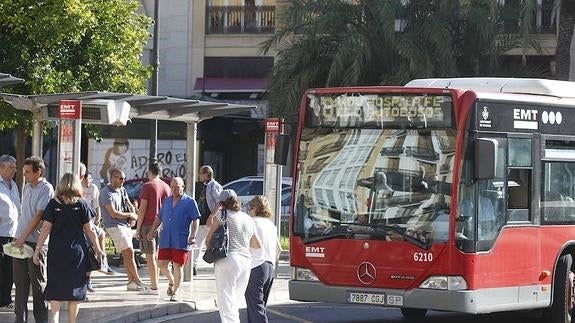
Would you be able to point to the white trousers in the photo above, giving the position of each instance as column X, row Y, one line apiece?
column 200, row 238
column 232, row 276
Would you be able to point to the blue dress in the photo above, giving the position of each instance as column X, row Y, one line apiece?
column 66, row 262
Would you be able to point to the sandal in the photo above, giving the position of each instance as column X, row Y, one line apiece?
column 170, row 290
column 7, row 308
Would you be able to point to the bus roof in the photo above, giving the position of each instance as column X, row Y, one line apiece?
column 561, row 89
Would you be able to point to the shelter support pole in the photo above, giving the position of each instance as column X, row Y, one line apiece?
column 36, row 136
column 191, row 169
column 155, row 82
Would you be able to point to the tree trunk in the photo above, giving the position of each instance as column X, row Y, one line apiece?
column 563, row 55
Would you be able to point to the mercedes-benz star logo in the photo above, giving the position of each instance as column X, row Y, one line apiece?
column 366, row 273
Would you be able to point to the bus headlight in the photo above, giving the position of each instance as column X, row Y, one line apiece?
column 444, row 282
column 303, row 274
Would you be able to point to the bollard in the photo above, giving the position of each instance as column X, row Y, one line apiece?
column 188, row 276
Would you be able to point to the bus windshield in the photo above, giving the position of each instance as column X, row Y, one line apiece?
column 390, row 184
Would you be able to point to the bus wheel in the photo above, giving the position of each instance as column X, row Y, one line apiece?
column 413, row 313
column 561, row 310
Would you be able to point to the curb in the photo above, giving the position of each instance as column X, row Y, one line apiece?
column 209, row 305
column 154, row 312
column 284, row 255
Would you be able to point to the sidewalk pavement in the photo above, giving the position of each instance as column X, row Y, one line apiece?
column 112, row 303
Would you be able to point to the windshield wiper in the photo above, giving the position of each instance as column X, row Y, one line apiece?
column 421, row 242
column 346, row 235
column 376, row 231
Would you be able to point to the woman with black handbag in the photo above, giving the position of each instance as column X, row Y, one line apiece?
column 233, row 271
column 67, row 221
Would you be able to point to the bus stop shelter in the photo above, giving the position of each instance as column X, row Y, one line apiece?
column 140, row 106
column 7, row 79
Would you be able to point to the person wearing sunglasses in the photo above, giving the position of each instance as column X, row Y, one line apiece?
column 117, row 221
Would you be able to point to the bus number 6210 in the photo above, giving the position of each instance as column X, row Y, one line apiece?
column 423, row 256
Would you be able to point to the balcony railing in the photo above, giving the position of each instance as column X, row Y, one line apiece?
column 541, row 22
column 240, row 19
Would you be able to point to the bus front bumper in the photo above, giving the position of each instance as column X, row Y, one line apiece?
column 463, row 301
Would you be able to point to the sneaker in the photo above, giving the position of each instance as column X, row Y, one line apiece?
column 174, row 298
column 134, row 287
column 7, row 308
column 195, row 271
column 150, row 291
column 142, row 284
column 89, row 287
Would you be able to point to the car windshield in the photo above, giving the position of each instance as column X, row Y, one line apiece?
column 387, row 184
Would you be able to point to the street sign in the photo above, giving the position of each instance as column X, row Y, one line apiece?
column 70, row 109
column 272, row 125
column 272, row 171
column 70, row 115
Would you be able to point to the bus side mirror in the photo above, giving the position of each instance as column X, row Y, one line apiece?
column 485, row 158
column 281, row 149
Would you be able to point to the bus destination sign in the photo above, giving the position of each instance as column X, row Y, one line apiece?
column 379, row 110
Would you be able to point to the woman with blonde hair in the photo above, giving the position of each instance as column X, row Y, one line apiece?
column 263, row 260
column 232, row 272
column 67, row 221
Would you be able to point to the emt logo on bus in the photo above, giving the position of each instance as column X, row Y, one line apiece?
column 528, row 118
column 520, row 117
column 525, row 119
column 315, row 252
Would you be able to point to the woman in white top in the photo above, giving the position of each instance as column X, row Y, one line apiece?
column 263, row 260
column 232, row 272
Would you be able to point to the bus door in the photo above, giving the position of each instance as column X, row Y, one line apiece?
column 496, row 215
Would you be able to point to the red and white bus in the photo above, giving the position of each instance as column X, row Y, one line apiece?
column 444, row 194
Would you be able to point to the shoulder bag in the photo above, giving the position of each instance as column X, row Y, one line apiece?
column 92, row 262
column 126, row 204
column 219, row 244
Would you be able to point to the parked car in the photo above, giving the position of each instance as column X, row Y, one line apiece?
column 134, row 186
column 248, row 187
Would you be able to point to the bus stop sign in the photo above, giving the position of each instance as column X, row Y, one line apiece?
column 70, row 115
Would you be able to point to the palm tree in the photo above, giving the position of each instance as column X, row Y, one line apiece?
column 324, row 43
column 565, row 10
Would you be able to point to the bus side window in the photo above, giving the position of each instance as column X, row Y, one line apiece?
column 491, row 201
column 519, row 179
column 519, row 191
column 553, row 206
column 487, row 216
column 558, row 192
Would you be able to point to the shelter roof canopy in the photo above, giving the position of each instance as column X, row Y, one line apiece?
column 141, row 106
column 7, row 79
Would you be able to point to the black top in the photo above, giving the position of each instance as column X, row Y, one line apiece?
column 203, row 206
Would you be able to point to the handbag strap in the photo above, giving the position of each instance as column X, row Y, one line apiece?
column 125, row 199
column 224, row 217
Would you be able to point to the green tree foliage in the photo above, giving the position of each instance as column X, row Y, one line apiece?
column 71, row 45
column 323, row 43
